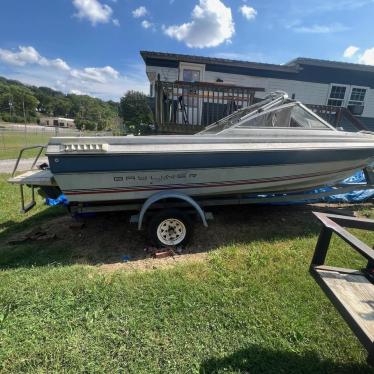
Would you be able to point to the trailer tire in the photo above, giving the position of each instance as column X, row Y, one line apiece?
column 170, row 228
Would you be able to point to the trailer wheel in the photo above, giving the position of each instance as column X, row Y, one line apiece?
column 170, row 228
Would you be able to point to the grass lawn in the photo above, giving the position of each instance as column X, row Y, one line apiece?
column 248, row 305
column 12, row 142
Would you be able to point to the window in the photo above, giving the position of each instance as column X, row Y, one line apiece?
column 190, row 75
column 337, row 95
column 289, row 116
column 357, row 96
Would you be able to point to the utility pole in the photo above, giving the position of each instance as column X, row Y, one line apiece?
column 2, row 135
column 24, row 118
column 10, row 108
column 97, row 122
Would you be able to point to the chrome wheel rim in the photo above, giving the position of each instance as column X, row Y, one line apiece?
column 171, row 231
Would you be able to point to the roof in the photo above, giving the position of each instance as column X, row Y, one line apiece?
column 291, row 66
column 148, row 55
column 331, row 64
column 300, row 69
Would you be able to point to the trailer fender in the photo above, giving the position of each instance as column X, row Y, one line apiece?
column 170, row 195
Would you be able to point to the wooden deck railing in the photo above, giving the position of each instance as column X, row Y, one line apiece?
column 187, row 107
column 336, row 116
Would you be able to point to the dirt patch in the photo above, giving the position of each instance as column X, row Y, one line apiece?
column 111, row 243
column 153, row 263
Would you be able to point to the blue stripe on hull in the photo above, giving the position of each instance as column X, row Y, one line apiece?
column 77, row 163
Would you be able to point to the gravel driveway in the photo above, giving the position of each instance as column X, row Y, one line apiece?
column 6, row 166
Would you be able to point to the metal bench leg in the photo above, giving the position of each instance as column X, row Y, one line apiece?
column 322, row 247
column 29, row 206
column 370, row 358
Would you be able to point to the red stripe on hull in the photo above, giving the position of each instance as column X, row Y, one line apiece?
column 200, row 185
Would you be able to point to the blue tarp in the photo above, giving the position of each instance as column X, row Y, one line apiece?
column 354, row 196
column 61, row 200
column 349, row 197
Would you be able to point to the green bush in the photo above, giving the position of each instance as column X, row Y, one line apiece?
column 85, row 124
column 6, row 117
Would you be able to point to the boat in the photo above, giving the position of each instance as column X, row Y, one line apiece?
column 275, row 145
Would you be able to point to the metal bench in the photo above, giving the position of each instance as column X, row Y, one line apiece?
column 350, row 291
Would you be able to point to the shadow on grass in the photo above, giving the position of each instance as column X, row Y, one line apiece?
column 256, row 359
column 109, row 238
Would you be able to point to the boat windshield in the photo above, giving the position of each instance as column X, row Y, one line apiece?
column 290, row 115
column 274, row 99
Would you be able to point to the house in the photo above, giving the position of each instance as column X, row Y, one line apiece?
column 326, row 86
column 57, row 122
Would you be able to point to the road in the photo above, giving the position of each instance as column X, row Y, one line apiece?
column 34, row 127
column 6, row 166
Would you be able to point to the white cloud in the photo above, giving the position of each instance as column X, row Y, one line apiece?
column 29, row 55
column 27, row 65
column 140, row 12
column 333, row 5
column 58, row 63
column 77, row 92
column 320, row 29
column 211, row 25
column 25, row 55
column 93, row 10
column 350, row 51
column 248, row 12
column 116, row 22
column 146, row 24
column 367, row 58
column 100, row 75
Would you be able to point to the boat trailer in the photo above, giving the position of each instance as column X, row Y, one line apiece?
column 173, row 203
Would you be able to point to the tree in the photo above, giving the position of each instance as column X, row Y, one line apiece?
column 18, row 101
column 136, row 114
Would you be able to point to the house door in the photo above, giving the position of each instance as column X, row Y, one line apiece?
column 190, row 101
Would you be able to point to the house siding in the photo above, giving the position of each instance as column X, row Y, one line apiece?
column 307, row 91
column 369, row 104
column 166, row 73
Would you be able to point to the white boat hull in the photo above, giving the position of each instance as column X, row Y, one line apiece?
column 138, row 185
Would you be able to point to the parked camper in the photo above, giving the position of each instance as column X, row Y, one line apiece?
column 58, row 122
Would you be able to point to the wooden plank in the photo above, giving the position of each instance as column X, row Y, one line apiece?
column 356, row 294
column 337, row 269
column 34, row 178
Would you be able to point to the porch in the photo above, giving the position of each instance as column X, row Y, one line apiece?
column 187, row 107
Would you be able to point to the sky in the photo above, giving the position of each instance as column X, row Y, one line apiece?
column 92, row 46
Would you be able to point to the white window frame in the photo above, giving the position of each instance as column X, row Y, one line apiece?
column 344, row 100
column 365, row 98
column 191, row 66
